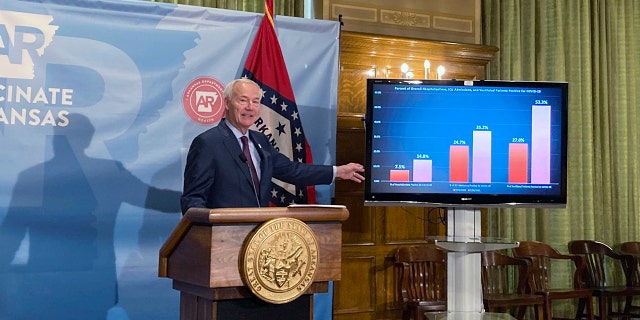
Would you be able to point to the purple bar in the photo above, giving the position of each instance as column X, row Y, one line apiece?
column 422, row 170
column 540, row 144
column 481, row 158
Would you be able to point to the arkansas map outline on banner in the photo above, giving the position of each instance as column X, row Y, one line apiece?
column 94, row 134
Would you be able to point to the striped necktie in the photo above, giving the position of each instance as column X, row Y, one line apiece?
column 252, row 168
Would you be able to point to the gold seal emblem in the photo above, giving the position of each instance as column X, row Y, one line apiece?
column 279, row 260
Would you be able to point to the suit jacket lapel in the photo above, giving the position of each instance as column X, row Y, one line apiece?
column 233, row 148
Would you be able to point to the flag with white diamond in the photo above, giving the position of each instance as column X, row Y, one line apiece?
column 279, row 117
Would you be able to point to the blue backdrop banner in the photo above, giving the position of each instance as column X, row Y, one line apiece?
column 99, row 101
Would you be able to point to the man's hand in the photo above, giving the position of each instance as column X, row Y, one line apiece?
column 350, row 171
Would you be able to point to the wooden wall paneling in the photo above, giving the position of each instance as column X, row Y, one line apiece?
column 390, row 296
column 367, row 289
column 352, row 94
column 406, row 225
column 365, row 56
column 358, row 275
column 359, row 229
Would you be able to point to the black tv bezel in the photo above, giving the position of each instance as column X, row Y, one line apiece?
column 450, row 200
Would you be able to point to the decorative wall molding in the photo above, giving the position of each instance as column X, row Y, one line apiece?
column 405, row 18
column 354, row 13
column 453, row 24
column 440, row 20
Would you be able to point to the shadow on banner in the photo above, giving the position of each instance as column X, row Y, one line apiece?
column 57, row 258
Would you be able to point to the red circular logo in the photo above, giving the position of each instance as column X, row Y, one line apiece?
column 203, row 100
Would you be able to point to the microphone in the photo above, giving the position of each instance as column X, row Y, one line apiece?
column 243, row 158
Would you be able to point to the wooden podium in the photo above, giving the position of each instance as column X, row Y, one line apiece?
column 202, row 257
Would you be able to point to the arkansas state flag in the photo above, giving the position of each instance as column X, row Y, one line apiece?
column 279, row 117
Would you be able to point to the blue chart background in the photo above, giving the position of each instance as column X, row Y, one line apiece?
column 89, row 188
column 427, row 120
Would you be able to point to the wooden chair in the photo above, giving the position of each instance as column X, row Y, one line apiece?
column 608, row 275
column 632, row 248
column 421, row 277
column 500, row 294
column 543, row 256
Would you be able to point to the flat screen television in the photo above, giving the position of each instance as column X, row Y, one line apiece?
column 452, row 143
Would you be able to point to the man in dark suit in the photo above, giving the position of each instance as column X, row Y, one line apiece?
column 217, row 173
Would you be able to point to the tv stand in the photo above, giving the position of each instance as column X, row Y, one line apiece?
column 464, row 285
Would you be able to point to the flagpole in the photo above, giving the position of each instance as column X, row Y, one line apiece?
column 268, row 11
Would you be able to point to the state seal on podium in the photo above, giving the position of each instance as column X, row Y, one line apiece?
column 279, row 260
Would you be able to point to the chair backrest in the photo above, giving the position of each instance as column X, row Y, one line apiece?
column 603, row 264
column 422, row 272
column 632, row 248
column 542, row 255
column 502, row 274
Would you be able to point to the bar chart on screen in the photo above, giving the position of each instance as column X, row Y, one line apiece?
column 501, row 143
column 487, row 143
